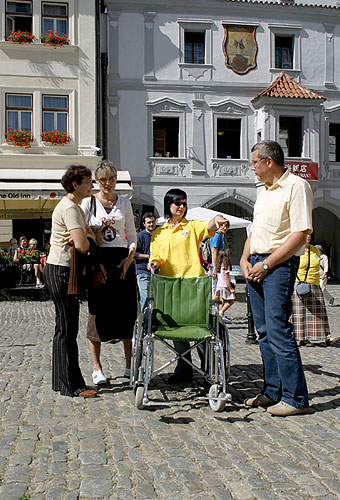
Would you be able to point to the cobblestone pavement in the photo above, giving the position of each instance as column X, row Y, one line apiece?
column 54, row 447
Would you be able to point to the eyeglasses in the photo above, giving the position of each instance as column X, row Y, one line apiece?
column 180, row 203
column 254, row 163
column 104, row 180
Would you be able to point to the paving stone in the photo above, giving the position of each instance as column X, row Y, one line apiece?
column 92, row 458
column 95, row 488
column 12, row 491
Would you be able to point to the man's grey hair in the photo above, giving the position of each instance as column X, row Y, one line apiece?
column 270, row 148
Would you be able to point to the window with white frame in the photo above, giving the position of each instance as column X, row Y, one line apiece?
column 195, row 41
column 54, row 18
column 334, row 142
column 165, row 136
column 291, row 135
column 18, row 16
column 285, row 41
column 228, row 138
column 19, row 111
column 55, row 113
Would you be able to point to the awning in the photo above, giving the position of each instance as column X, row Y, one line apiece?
column 24, row 194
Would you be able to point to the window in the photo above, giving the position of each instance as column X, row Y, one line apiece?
column 18, row 17
column 194, row 47
column 290, row 135
column 55, row 113
column 228, row 138
column 334, row 142
column 54, row 18
column 284, row 52
column 19, row 112
column 165, row 136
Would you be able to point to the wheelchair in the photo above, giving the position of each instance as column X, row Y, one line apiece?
column 181, row 309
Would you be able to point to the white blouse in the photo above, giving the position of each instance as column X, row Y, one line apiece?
column 118, row 226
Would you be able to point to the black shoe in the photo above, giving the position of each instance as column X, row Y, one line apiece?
column 177, row 378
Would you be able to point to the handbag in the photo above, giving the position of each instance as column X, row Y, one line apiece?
column 303, row 289
column 96, row 231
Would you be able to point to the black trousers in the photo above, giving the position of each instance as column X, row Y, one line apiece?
column 66, row 374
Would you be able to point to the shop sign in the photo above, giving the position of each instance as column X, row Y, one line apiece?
column 307, row 170
column 31, row 195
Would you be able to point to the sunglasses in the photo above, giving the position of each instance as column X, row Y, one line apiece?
column 103, row 180
column 180, row 203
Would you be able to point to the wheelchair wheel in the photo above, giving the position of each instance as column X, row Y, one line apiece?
column 214, row 403
column 137, row 350
column 139, row 397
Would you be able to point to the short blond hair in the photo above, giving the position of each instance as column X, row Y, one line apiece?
column 33, row 241
column 105, row 167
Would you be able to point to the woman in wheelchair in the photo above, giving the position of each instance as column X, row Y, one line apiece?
column 174, row 251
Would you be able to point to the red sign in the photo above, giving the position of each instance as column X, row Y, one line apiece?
column 307, row 170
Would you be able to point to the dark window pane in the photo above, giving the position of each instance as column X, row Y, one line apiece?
column 228, row 138
column 334, row 142
column 13, row 120
column 19, row 101
column 19, row 7
column 290, row 135
column 194, row 47
column 284, row 46
column 48, row 124
column 54, row 102
column 54, row 10
column 165, row 137
column 62, row 122
column 25, row 120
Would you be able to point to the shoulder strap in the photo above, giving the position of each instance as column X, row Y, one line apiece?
column 93, row 207
column 307, row 265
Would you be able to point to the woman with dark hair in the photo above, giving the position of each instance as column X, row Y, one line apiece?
column 68, row 228
column 175, row 252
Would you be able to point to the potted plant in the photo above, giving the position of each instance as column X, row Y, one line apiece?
column 22, row 138
column 21, row 37
column 56, row 138
column 54, row 39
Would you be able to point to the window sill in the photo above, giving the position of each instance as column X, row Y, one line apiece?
column 36, row 46
column 194, row 65
column 166, row 158
column 279, row 70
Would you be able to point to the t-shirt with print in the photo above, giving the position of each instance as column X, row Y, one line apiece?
column 66, row 216
column 118, row 226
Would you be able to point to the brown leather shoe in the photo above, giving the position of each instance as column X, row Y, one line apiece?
column 87, row 394
column 332, row 341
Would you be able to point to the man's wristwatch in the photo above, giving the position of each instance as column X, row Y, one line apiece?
column 265, row 266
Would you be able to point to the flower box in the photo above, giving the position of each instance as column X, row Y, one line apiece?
column 56, row 138
column 54, row 39
column 21, row 37
column 29, row 256
column 21, row 138
column 5, row 257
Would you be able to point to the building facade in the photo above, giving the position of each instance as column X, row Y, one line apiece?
column 47, row 95
column 191, row 86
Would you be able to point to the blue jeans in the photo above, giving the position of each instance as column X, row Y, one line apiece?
column 271, row 304
column 143, row 281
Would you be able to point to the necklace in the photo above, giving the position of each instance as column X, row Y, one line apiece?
column 108, row 203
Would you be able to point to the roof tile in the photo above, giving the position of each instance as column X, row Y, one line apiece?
column 285, row 86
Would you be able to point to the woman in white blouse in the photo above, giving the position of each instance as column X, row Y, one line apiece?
column 113, row 305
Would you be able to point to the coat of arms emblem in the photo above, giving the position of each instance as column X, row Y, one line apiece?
column 239, row 48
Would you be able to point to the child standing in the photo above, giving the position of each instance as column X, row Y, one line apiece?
column 225, row 290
